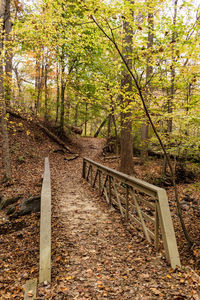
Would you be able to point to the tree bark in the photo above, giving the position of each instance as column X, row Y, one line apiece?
column 126, row 139
column 57, row 92
column 149, row 72
column 8, row 54
column 86, row 118
column 46, row 90
column 100, row 127
column 62, row 96
column 4, row 130
column 19, row 81
column 38, row 82
column 172, row 88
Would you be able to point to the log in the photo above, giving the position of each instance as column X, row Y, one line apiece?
column 15, row 114
column 6, row 202
column 111, row 157
column 27, row 206
column 55, row 138
column 75, row 129
column 71, row 157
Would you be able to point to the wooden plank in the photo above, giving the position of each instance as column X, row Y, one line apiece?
column 88, row 173
column 162, row 216
column 147, row 203
column 104, row 184
column 140, row 224
column 145, row 216
column 106, row 194
column 167, row 228
column 45, row 227
column 95, row 178
column 141, row 185
column 122, row 199
column 91, row 173
column 100, row 181
column 156, row 242
column 109, row 187
column 163, row 233
column 118, row 200
column 30, row 289
column 141, row 217
column 148, row 218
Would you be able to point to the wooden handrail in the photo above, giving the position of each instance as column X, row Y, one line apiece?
column 45, row 227
column 143, row 186
column 45, row 237
column 130, row 204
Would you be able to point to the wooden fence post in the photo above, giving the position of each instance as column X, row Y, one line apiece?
column 84, row 169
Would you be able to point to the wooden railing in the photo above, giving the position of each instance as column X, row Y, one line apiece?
column 45, row 237
column 139, row 202
column 45, row 227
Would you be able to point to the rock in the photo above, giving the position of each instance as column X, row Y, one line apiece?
column 30, row 205
column 11, row 210
column 27, row 206
column 6, row 202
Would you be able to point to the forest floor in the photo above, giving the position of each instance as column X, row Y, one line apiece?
column 94, row 256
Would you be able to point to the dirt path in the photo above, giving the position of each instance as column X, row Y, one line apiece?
column 94, row 256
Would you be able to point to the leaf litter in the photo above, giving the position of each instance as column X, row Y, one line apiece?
column 94, row 256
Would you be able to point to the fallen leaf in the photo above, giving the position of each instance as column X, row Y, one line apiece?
column 30, row 293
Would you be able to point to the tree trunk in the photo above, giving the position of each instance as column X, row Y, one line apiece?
column 68, row 106
column 100, row 127
column 76, row 115
column 4, row 130
column 172, row 88
column 18, row 79
column 39, row 82
column 86, row 116
column 149, row 72
column 46, row 90
column 116, row 136
column 37, row 79
column 62, row 96
column 8, row 54
column 57, row 92
column 126, row 138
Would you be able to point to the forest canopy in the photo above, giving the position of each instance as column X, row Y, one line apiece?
column 68, row 64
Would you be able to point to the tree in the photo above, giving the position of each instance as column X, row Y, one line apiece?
column 149, row 72
column 142, row 96
column 173, row 61
column 8, row 53
column 126, row 138
column 4, row 130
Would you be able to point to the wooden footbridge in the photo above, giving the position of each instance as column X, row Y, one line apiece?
column 141, row 204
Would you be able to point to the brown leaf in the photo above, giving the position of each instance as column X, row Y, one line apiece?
column 30, row 293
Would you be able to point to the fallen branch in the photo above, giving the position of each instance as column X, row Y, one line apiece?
column 71, row 157
column 111, row 157
column 55, row 138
